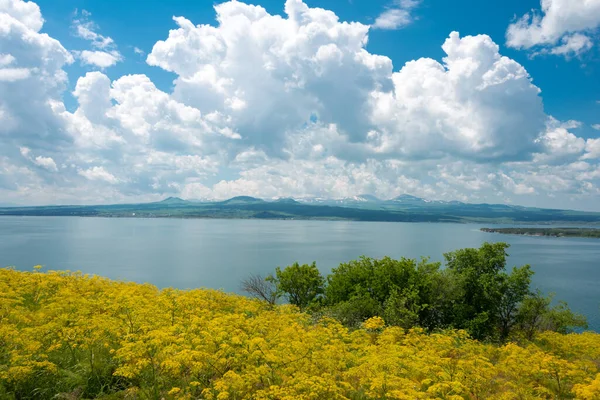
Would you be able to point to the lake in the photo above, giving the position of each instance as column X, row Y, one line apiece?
column 191, row 253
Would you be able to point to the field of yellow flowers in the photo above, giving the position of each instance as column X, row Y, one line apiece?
column 71, row 336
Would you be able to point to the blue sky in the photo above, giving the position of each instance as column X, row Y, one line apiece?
column 136, row 106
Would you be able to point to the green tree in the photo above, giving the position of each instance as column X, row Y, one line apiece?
column 530, row 315
column 301, row 284
column 490, row 297
column 402, row 308
column 405, row 292
column 376, row 278
column 536, row 314
column 513, row 290
column 354, row 311
column 561, row 319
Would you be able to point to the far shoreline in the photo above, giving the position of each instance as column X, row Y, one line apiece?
column 551, row 232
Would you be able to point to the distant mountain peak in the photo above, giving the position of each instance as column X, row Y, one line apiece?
column 243, row 199
column 408, row 197
column 286, row 200
column 173, row 200
column 368, row 197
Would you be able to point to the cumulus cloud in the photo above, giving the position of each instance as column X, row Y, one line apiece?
column 14, row 74
column 271, row 106
column 46, row 162
column 592, row 149
column 100, row 59
column 476, row 104
column 396, row 16
column 26, row 12
column 567, row 22
column 269, row 74
column 6, row 59
column 31, row 78
column 573, row 44
column 393, row 18
column 11, row 74
column 330, row 178
column 99, row 174
column 509, row 184
column 559, row 143
column 41, row 161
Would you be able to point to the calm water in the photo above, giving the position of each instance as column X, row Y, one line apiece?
column 220, row 253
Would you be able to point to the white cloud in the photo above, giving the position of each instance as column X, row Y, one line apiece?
column 517, row 188
column 106, row 53
column 573, row 44
column 100, row 59
column 559, row 144
column 46, row 162
column 393, row 18
column 11, row 74
column 269, row 74
column 298, row 178
column 6, row 59
column 139, row 51
column 31, row 78
column 560, row 21
column 477, row 104
column 99, row 174
column 397, row 16
column 85, row 29
column 592, row 149
column 26, row 12
column 272, row 106
column 596, row 127
column 14, row 74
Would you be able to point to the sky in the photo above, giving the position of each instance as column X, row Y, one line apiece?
column 120, row 102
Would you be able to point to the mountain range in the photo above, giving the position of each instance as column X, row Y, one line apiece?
column 364, row 207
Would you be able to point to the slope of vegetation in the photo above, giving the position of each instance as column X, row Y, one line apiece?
column 553, row 232
column 70, row 336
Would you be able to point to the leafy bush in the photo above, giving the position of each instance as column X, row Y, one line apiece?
column 302, row 284
column 475, row 293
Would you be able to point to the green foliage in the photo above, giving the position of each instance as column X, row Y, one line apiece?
column 401, row 290
column 536, row 314
column 402, row 307
column 512, row 290
column 475, row 293
column 562, row 320
column 490, row 296
column 354, row 311
column 301, row 284
column 375, row 278
column 531, row 314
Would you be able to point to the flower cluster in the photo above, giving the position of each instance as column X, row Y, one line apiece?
column 81, row 336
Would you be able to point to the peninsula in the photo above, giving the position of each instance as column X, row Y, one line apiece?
column 551, row 232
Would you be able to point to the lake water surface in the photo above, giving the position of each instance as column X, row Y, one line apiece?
column 191, row 253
